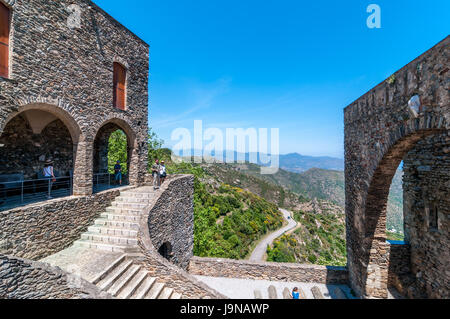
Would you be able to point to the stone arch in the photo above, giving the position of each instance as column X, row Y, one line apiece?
column 39, row 116
column 373, row 251
column 375, row 260
column 100, row 140
column 54, row 110
column 382, row 127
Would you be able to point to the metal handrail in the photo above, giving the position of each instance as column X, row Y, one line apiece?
column 14, row 192
column 98, row 181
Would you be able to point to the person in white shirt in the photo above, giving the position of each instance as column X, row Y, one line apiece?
column 162, row 172
column 50, row 175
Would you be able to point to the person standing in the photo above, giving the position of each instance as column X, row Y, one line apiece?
column 163, row 173
column 50, row 176
column 156, row 171
column 118, row 173
column 295, row 293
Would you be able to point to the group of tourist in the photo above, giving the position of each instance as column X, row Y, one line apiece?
column 159, row 173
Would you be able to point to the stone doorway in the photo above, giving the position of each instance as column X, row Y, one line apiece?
column 111, row 144
column 166, row 250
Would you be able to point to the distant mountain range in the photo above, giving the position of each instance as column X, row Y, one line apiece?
column 292, row 162
column 297, row 163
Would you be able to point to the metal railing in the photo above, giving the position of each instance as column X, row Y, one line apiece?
column 105, row 181
column 24, row 192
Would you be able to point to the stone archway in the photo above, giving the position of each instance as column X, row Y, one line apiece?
column 100, row 148
column 38, row 116
column 383, row 127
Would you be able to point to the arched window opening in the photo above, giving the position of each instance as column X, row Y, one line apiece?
column 120, row 75
column 4, row 40
column 111, row 158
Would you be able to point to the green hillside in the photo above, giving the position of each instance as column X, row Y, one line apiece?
column 320, row 239
column 227, row 220
column 288, row 189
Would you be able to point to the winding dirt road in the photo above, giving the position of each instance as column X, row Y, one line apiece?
column 259, row 252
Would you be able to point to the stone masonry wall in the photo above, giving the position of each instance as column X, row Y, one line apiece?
column 39, row 230
column 286, row 272
column 379, row 131
column 399, row 275
column 171, row 219
column 25, row 279
column 427, row 187
column 67, row 69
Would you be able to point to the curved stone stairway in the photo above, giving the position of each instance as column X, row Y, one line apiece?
column 115, row 232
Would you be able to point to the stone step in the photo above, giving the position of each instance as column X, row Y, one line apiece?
column 123, row 281
column 155, row 291
column 166, row 293
column 132, row 199
column 116, row 224
column 144, row 288
column 109, row 239
column 128, row 205
column 137, row 194
column 121, row 217
column 107, row 282
column 119, row 210
column 109, row 269
column 134, row 284
column 115, row 231
column 175, row 295
column 100, row 246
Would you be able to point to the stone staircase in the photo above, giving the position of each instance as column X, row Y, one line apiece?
column 117, row 231
column 117, row 228
column 125, row 279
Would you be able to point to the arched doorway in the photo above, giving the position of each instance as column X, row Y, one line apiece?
column 166, row 250
column 397, row 264
column 29, row 139
column 112, row 150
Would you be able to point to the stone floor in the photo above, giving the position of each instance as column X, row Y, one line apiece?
column 85, row 262
column 244, row 288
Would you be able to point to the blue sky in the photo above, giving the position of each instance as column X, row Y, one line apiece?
column 292, row 65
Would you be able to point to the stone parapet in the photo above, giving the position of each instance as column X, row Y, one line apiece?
column 286, row 272
column 39, row 230
column 26, row 279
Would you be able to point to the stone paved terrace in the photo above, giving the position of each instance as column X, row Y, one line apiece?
column 235, row 288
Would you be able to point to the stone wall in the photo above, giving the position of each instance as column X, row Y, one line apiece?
column 25, row 279
column 39, row 230
column 399, row 275
column 285, row 272
column 171, row 219
column 380, row 130
column 426, row 187
column 66, row 69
